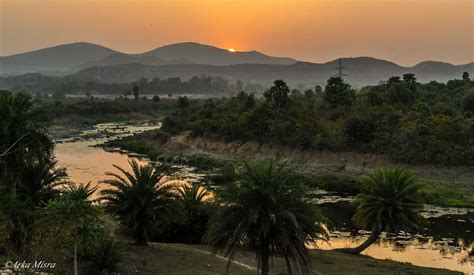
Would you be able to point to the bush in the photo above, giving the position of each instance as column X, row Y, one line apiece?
column 339, row 183
column 106, row 254
column 156, row 98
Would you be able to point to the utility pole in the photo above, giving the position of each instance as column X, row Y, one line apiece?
column 340, row 69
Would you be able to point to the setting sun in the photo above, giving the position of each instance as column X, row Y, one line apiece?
column 232, row 50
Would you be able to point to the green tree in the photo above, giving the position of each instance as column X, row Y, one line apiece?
column 359, row 129
column 23, row 135
column 389, row 201
column 277, row 95
column 467, row 102
column 338, row 93
column 318, row 89
column 393, row 80
column 140, row 200
column 373, row 98
column 156, row 98
column 265, row 211
column 183, row 102
column 400, row 93
column 309, row 95
column 70, row 221
column 135, row 92
column 465, row 76
column 409, row 78
column 410, row 81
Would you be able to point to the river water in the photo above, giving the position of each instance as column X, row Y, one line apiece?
column 443, row 244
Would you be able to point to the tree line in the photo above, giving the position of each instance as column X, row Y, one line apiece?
column 400, row 118
column 36, row 83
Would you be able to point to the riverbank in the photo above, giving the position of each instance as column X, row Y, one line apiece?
column 337, row 172
column 71, row 115
column 159, row 258
column 87, row 162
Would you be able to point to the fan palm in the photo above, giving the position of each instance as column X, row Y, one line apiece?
column 389, row 202
column 141, row 200
column 265, row 211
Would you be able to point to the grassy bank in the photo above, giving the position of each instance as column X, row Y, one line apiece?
column 197, row 259
column 154, row 143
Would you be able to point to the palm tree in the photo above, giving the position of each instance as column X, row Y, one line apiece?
column 265, row 211
column 389, row 202
column 194, row 199
column 40, row 179
column 23, row 134
column 141, row 200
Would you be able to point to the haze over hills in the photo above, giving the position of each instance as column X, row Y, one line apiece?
column 195, row 53
column 360, row 71
column 54, row 59
column 89, row 62
column 73, row 57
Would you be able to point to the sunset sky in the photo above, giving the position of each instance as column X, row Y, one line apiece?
column 403, row 31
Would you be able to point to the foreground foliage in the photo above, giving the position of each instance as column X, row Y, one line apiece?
column 23, row 136
column 265, row 211
column 142, row 201
column 195, row 203
column 69, row 222
column 389, row 201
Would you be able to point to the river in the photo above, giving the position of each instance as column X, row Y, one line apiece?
column 443, row 244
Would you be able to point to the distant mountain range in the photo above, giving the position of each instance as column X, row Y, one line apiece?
column 360, row 71
column 90, row 62
column 69, row 58
column 55, row 59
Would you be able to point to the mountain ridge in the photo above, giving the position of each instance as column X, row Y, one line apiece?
column 93, row 62
column 360, row 72
column 59, row 58
column 72, row 57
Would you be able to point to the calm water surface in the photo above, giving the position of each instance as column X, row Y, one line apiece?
column 444, row 244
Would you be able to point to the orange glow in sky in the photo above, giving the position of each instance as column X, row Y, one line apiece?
column 404, row 31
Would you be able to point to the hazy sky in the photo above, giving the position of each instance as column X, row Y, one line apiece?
column 403, row 31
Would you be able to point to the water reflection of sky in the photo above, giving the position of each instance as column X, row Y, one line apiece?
column 444, row 243
column 415, row 251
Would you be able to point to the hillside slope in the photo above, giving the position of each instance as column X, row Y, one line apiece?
column 53, row 59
